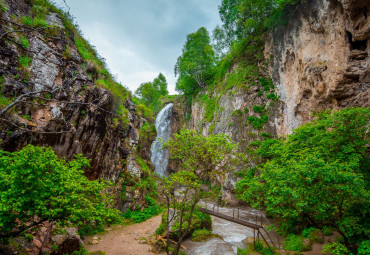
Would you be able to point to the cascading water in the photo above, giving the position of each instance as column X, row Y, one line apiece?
column 160, row 156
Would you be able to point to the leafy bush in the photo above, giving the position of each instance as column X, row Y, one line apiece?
column 138, row 216
column 335, row 248
column 318, row 172
column 31, row 181
column 296, row 243
column 201, row 235
column 258, row 123
column 364, row 248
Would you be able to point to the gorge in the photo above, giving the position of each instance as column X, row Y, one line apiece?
column 270, row 88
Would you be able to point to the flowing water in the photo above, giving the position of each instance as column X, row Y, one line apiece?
column 160, row 156
column 233, row 234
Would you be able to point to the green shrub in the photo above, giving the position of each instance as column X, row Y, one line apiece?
column 335, row 248
column 28, row 237
column 326, row 231
column 296, row 243
column 201, row 235
column 258, row 109
column 364, row 248
column 258, row 123
column 271, row 96
column 160, row 229
column 138, row 216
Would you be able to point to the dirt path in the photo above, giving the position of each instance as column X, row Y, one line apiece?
column 124, row 240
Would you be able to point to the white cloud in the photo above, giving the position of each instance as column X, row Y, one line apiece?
column 141, row 38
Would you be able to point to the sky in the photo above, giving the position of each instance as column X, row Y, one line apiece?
column 141, row 38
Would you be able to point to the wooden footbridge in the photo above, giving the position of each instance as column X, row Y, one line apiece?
column 258, row 227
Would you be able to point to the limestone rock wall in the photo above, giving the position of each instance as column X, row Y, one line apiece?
column 321, row 59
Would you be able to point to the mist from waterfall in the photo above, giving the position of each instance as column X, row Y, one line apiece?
column 160, row 156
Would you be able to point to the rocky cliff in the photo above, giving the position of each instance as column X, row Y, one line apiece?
column 319, row 60
column 56, row 91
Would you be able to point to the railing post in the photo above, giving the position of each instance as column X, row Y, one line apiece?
column 261, row 220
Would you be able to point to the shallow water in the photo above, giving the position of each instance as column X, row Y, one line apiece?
column 233, row 234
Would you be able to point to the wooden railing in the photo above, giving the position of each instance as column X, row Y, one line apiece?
column 258, row 227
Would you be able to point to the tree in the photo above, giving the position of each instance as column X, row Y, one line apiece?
column 150, row 93
column 242, row 18
column 194, row 67
column 36, row 186
column 319, row 174
column 200, row 159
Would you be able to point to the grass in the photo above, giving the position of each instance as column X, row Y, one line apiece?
column 24, row 61
column 3, row 7
column 33, row 22
column 202, row 235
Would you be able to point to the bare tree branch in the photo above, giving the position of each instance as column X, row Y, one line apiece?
column 18, row 99
column 34, row 131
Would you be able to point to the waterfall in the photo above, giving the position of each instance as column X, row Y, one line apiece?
column 160, row 156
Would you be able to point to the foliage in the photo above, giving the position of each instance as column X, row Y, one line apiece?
column 201, row 235
column 243, row 18
column 295, row 243
column 200, row 159
column 149, row 93
column 34, row 22
column 24, row 61
column 317, row 174
column 257, row 123
column 208, row 157
column 335, row 248
column 195, row 66
column 138, row 216
column 24, row 42
column 35, row 186
column 182, row 193
column 3, row 7
column 364, row 248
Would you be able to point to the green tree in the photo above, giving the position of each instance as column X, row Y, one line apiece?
column 194, row 67
column 200, row 159
column 243, row 18
column 36, row 186
column 208, row 157
column 319, row 174
column 149, row 93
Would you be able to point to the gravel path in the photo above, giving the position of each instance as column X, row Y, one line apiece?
column 124, row 240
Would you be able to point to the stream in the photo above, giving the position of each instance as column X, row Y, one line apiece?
column 233, row 234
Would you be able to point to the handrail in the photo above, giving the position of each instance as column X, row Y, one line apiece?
column 254, row 226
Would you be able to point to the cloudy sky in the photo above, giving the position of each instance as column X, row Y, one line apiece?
column 140, row 38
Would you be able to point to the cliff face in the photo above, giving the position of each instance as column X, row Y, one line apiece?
column 73, row 115
column 321, row 60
